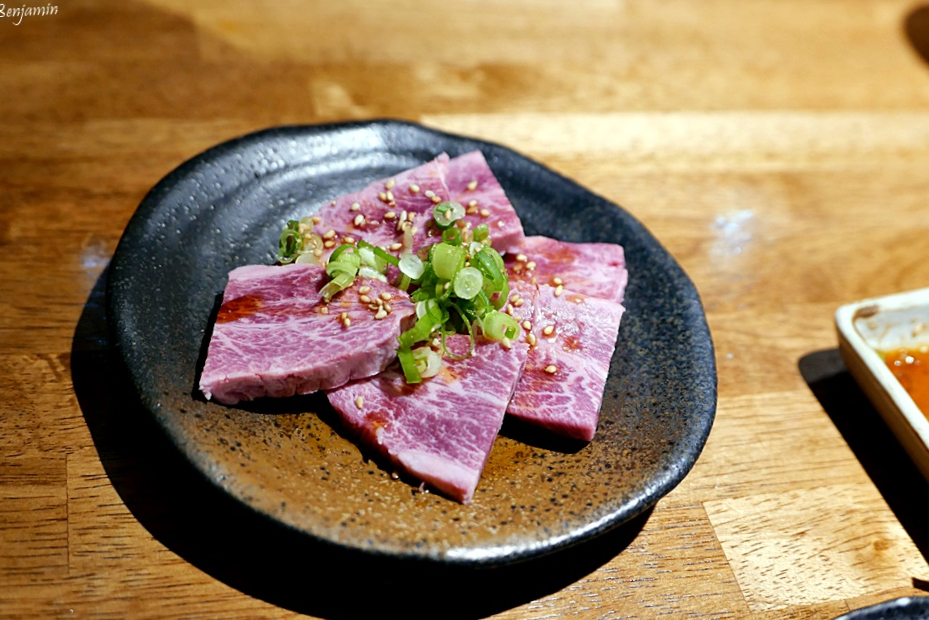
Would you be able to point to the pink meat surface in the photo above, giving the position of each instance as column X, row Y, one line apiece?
column 593, row 269
column 441, row 430
column 275, row 336
column 472, row 183
column 562, row 385
column 374, row 213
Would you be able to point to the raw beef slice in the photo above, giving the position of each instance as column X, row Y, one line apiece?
column 472, row 183
column 275, row 336
column 441, row 430
column 562, row 385
column 594, row 269
column 379, row 212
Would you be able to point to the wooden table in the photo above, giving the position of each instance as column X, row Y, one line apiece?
column 778, row 149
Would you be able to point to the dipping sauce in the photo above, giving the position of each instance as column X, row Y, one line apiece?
column 911, row 368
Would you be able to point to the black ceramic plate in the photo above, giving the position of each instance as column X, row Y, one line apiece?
column 290, row 461
column 908, row 608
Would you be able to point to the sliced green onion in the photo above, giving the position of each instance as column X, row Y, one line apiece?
column 336, row 253
column 447, row 260
column 452, row 236
column 367, row 272
column 380, row 253
column 447, row 213
column 339, row 283
column 291, row 242
column 408, row 365
column 367, row 256
column 428, row 361
column 498, row 325
column 480, row 232
column 458, row 284
column 410, row 265
column 468, row 283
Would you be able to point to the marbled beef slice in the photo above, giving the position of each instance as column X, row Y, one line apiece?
column 274, row 335
column 441, row 430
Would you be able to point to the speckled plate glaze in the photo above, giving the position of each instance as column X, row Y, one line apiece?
column 907, row 608
column 291, row 461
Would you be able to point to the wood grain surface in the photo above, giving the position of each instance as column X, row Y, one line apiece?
column 778, row 149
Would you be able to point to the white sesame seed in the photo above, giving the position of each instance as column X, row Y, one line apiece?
column 364, row 289
column 395, row 246
column 387, row 308
column 390, row 196
column 518, row 303
column 429, row 193
column 390, row 215
column 360, row 402
column 346, row 322
column 551, row 369
column 359, row 220
column 364, row 299
column 556, row 281
column 530, row 265
column 484, row 213
column 473, row 203
column 324, row 310
column 530, row 340
column 390, row 184
column 317, row 252
column 329, row 244
column 436, row 199
column 330, row 234
column 559, row 290
column 522, row 258
column 527, row 326
column 471, row 210
column 315, row 219
column 472, row 186
column 506, row 342
column 355, row 206
column 382, row 196
column 509, row 309
column 549, row 330
column 414, row 188
column 349, row 240
column 380, row 314
column 386, row 296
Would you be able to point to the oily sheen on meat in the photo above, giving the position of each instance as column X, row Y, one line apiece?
column 594, row 269
column 274, row 335
column 441, row 430
column 381, row 212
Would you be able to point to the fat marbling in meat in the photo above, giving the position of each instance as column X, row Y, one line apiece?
column 441, row 430
column 573, row 338
column 275, row 336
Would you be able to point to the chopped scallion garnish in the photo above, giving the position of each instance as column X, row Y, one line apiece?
column 458, row 285
column 447, row 213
